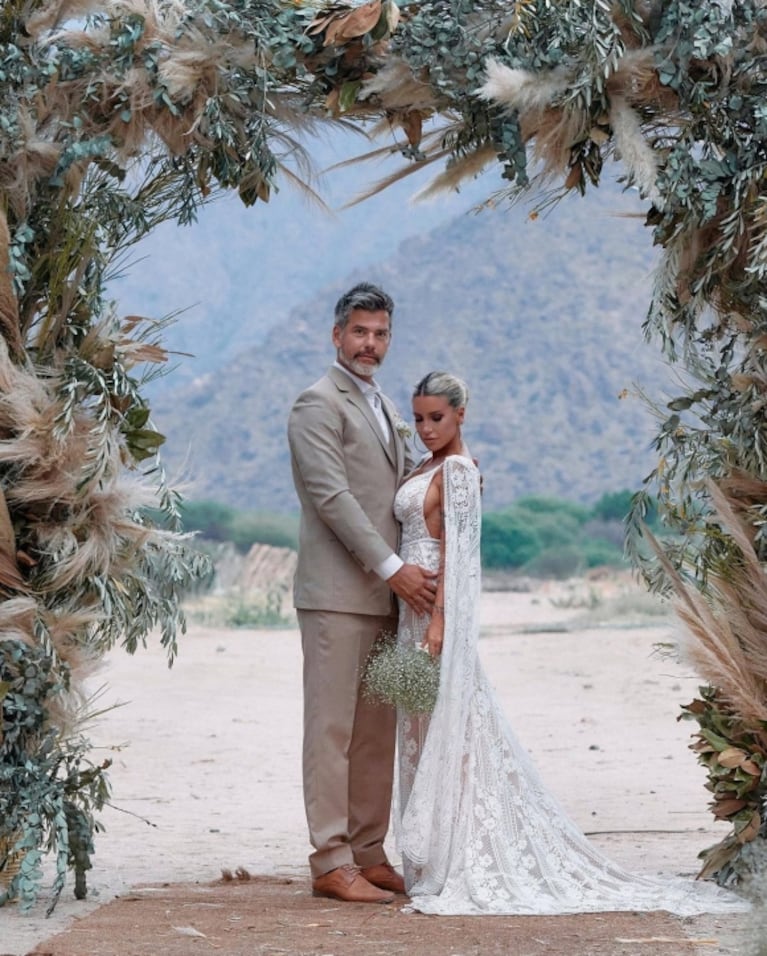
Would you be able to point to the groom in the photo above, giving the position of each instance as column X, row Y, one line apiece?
column 348, row 459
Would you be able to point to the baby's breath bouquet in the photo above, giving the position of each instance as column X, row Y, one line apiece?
column 407, row 677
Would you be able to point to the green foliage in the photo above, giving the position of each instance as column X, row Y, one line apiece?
column 561, row 562
column 596, row 553
column 49, row 789
column 76, row 114
column 219, row 522
column 568, row 511
column 613, row 506
column 258, row 614
column 507, row 541
column 550, row 537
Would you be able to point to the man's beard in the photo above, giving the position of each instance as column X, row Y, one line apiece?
column 363, row 369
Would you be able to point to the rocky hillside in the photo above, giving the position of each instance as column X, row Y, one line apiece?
column 541, row 315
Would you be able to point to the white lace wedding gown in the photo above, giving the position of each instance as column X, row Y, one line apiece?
column 477, row 830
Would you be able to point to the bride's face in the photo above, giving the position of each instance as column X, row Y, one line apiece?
column 438, row 424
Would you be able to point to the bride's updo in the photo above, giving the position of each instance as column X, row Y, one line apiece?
column 444, row 385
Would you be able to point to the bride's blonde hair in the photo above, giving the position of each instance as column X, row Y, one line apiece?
column 445, row 385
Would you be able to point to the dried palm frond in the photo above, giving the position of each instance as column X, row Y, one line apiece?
column 458, row 170
column 636, row 79
column 54, row 12
column 17, row 620
column 523, row 90
column 433, row 148
column 395, row 87
column 634, row 150
column 553, row 128
column 9, row 307
column 726, row 637
column 742, row 491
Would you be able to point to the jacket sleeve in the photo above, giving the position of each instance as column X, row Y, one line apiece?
column 315, row 435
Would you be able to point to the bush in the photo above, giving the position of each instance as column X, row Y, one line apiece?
column 552, row 528
column 613, row 506
column 548, row 536
column 266, row 613
column 597, row 552
column 211, row 518
column 507, row 541
column 559, row 563
column 541, row 505
column 280, row 531
column 218, row 522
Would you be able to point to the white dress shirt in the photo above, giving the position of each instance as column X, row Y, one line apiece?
column 372, row 393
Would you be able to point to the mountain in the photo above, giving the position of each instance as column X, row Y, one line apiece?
column 237, row 271
column 540, row 315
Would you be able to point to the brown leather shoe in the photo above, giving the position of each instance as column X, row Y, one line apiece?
column 348, row 884
column 385, row 876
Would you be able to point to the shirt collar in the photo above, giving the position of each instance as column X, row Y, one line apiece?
column 365, row 387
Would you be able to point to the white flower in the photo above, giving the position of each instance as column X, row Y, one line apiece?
column 404, row 675
column 402, row 428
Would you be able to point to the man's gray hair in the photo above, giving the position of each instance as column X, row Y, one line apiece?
column 364, row 296
column 443, row 385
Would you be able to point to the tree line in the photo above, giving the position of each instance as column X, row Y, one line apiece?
column 538, row 535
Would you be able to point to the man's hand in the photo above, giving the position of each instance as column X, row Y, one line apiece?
column 416, row 586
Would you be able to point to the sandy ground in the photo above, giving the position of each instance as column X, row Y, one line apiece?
column 206, row 773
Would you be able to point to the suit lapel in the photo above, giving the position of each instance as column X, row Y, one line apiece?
column 397, row 442
column 354, row 395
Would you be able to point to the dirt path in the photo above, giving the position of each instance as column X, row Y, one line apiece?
column 280, row 918
column 207, row 778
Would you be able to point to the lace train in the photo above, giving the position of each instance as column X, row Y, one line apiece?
column 477, row 830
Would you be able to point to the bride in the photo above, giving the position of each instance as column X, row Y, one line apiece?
column 476, row 829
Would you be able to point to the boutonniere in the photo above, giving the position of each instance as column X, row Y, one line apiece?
column 402, row 428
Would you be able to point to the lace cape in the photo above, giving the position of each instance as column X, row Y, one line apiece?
column 477, row 829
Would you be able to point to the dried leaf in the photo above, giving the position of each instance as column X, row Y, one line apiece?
column 391, row 11
column 574, row 177
column 10, row 576
column 412, row 124
column 750, row 766
column 719, row 856
column 732, row 757
column 723, row 809
column 331, row 100
column 319, row 23
column 356, row 23
column 750, row 830
column 145, row 352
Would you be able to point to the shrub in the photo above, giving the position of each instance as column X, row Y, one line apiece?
column 507, row 541
column 219, row 522
column 559, row 563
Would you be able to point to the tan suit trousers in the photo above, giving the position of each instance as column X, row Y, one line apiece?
column 348, row 754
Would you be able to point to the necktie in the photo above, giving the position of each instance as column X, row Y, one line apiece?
column 377, row 406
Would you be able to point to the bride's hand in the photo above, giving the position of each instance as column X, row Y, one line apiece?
column 434, row 635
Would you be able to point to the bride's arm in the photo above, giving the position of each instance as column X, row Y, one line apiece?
column 454, row 516
column 435, row 631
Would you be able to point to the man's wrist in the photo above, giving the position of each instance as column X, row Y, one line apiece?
column 389, row 567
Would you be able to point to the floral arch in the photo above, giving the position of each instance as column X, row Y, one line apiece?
column 116, row 115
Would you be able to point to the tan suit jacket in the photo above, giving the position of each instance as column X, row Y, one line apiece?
column 346, row 475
